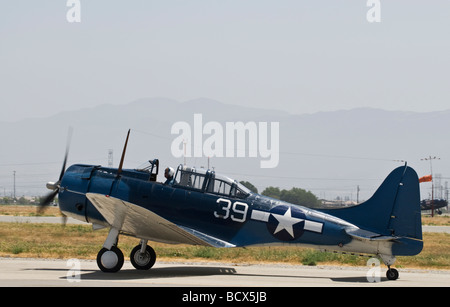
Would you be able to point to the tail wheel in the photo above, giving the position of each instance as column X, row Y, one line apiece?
column 145, row 260
column 392, row 274
column 110, row 261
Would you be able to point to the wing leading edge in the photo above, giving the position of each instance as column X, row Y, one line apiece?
column 145, row 224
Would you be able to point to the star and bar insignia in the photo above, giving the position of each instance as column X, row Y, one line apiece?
column 286, row 223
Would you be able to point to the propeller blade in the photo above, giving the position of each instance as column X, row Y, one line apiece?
column 49, row 197
column 46, row 201
column 63, row 219
column 69, row 138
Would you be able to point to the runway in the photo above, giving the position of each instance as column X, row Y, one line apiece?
column 17, row 272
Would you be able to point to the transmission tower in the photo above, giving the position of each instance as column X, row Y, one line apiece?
column 110, row 158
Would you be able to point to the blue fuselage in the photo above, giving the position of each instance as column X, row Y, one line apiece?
column 237, row 218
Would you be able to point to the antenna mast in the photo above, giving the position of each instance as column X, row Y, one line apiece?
column 119, row 171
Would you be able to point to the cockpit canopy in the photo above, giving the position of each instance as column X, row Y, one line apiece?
column 208, row 181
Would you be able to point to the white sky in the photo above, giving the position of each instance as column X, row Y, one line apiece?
column 299, row 56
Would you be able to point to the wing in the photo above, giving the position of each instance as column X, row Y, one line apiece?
column 145, row 224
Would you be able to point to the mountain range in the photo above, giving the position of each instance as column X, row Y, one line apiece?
column 328, row 153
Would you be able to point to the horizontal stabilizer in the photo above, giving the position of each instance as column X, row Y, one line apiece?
column 361, row 234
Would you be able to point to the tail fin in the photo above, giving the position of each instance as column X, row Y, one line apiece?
column 394, row 209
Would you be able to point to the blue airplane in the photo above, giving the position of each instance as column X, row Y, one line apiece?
column 435, row 204
column 201, row 207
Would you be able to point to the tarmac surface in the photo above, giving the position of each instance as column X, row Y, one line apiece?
column 24, row 272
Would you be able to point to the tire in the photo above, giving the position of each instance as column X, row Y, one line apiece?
column 143, row 261
column 392, row 274
column 110, row 261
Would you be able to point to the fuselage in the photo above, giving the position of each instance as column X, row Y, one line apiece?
column 213, row 205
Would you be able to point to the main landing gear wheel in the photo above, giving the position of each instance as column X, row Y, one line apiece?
column 392, row 274
column 143, row 260
column 110, row 261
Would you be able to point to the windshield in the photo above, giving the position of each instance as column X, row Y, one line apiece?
column 226, row 186
column 243, row 188
column 231, row 181
column 210, row 182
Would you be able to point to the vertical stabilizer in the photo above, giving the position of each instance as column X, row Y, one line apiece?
column 394, row 209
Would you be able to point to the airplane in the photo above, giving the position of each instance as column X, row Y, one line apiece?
column 436, row 204
column 202, row 207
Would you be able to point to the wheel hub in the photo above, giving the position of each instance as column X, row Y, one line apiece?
column 109, row 259
column 142, row 258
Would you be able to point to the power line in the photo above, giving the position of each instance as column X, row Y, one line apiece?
column 341, row 156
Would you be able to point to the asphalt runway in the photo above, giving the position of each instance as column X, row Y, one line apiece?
column 17, row 272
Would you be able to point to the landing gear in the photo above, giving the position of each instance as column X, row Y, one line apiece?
column 110, row 258
column 143, row 257
column 391, row 274
column 110, row 261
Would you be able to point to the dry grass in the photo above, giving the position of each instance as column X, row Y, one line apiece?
column 435, row 253
column 437, row 220
column 80, row 241
column 19, row 210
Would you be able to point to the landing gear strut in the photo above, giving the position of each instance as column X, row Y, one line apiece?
column 143, row 256
column 391, row 274
column 110, row 258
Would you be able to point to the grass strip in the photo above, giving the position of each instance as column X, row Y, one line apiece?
column 80, row 241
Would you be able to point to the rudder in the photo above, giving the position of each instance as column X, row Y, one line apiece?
column 405, row 219
column 394, row 209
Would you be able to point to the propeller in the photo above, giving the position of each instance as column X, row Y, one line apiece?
column 55, row 186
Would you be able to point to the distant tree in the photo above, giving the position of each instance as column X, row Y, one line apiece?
column 294, row 196
column 249, row 186
column 300, row 197
column 273, row 192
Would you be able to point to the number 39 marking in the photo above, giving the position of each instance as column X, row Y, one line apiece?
column 238, row 210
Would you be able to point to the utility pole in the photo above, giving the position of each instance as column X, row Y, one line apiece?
column 357, row 194
column 446, row 193
column 110, row 158
column 14, row 174
column 430, row 158
column 184, row 147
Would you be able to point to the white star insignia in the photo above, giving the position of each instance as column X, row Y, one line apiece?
column 286, row 222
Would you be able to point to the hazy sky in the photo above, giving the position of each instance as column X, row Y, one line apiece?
column 294, row 55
